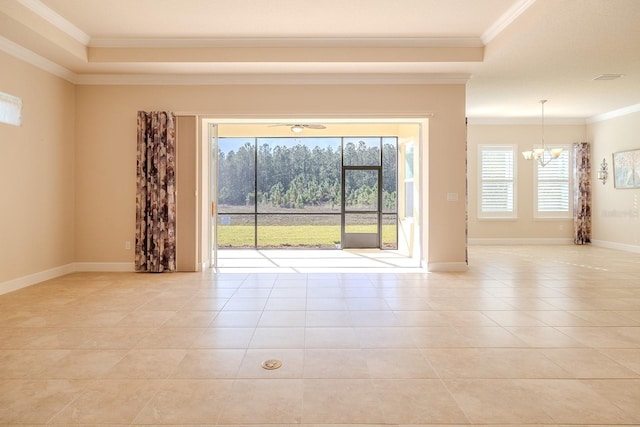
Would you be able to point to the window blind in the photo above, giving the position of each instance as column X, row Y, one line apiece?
column 10, row 109
column 553, row 185
column 497, row 181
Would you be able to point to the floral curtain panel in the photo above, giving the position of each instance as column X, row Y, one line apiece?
column 155, row 196
column 582, row 193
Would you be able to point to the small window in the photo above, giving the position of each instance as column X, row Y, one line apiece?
column 497, row 181
column 10, row 109
column 553, row 187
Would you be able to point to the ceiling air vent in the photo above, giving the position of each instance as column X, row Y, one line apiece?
column 608, row 76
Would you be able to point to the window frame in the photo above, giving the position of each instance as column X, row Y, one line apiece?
column 551, row 215
column 500, row 215
column 10, row 109
column 408, row 213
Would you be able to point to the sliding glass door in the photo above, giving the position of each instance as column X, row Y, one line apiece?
column 304, row 192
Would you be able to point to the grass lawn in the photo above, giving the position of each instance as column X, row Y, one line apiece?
column 280, row 236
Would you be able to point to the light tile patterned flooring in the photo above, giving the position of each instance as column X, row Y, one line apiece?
column 529, row 335
column 314, row 260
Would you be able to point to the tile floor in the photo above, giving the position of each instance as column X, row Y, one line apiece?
column 314, row 260
column 528, row 336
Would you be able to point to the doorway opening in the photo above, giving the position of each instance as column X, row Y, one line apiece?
column 340, row 186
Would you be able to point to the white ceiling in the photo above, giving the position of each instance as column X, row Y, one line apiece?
column 511, row 53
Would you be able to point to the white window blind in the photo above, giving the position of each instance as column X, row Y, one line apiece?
column 553, row 187
column 10, row 109
column 497, row 181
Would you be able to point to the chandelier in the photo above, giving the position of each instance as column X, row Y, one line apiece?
column 542, row 155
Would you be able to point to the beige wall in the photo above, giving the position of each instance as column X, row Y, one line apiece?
column 616, row 212
column 68, row 172
column 524, row 229
column 106, row 124
column 36, row 173
column 186, row 194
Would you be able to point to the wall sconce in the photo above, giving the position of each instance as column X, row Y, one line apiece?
column 603, row 173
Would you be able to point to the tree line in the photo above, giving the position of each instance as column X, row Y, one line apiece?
column 302, row 175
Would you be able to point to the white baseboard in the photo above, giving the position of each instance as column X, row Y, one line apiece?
column 619, row 246
column 32, row 279
column 107, row 267
column 521, row 241
column 447, row 266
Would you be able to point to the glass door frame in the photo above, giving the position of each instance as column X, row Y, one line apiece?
column 208, row 127
column 213, row 194
column 361, row 240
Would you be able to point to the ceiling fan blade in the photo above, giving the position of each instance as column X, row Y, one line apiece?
column 302, row 125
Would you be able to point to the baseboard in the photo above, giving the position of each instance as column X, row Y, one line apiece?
column 618, row 246
column 107, row 267
column 521, row 241
column 447, row 266
column 32, row 279
column 560, row 241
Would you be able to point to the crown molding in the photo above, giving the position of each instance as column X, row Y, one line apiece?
column 615, row 113
column 49, row 15
column 270, row 79
column 26, row 55
column 36, row 60
column 164, row 42
column 505, row 20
